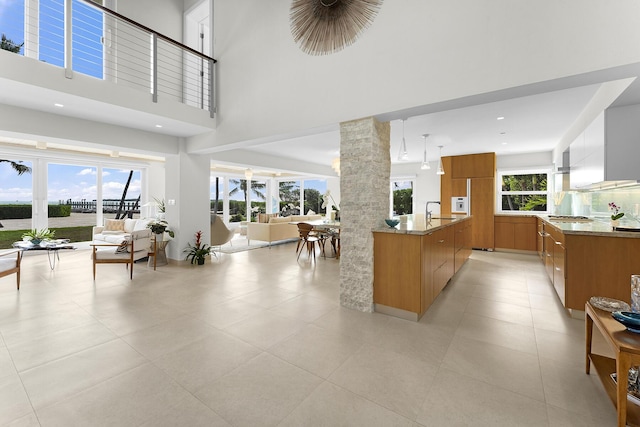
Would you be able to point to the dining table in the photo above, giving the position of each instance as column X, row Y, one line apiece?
column 328, row 226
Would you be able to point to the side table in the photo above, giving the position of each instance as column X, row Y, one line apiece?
column 159, row 254
column 626, row 347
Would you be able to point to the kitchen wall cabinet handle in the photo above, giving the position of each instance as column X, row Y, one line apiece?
column 440, row 241
column 558, row 243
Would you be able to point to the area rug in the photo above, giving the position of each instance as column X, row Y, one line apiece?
column 241, row 244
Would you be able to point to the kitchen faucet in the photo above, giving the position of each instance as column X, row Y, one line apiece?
column 427, row 208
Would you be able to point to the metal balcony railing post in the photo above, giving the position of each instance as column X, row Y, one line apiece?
column 68, row 31
column 154, row 66
column 212, row 101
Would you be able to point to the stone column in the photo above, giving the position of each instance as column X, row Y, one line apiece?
column 365, row 169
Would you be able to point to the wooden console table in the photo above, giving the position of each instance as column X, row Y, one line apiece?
column 626, row 346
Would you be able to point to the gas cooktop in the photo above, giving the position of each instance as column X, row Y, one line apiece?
column 569, row 218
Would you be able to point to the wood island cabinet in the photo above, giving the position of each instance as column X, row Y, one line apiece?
column 410, row 270
column 515, row 232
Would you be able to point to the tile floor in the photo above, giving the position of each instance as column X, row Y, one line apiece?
column 257, row 339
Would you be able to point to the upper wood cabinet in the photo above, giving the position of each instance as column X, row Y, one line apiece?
column 474, row 166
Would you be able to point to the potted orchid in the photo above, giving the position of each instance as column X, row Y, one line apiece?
column 615, row 217
column 196, row 254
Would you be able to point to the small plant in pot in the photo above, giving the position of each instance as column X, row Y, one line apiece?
column 196, row 254
column 37, row 236
column 159, row 227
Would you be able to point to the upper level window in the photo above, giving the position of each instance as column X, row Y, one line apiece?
column 523, row 191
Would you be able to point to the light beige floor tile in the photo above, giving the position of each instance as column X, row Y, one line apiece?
column 30, row 420
column 189, row 412
column 269, row 297
column 316, row 350
column 7, row 367
column 32, row 352
column 169, row 336
column 565, row 348
column 498, row 332
column 567, row 386
column 562, row 418
column 559, row 321
column 500, row 311
column 14, row 402
column 123, row 321
column 423, row 341
column 261, row 392
column 226, row 313
column 510, row 369
column 549, row 302
column 305, row 307
column 206, row 360
column 363, row 326
column 265, row 329
column 390, row 379
column 503, row 295
column 57, row 380
column 333, row 406
column 129, row 399
column 458, row 400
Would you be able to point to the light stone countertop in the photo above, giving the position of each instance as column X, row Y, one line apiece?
column 596, row 227
column 417, row 225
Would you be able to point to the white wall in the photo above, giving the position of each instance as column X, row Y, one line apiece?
column 415, row 53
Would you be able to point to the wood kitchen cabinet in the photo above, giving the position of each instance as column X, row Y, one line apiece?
column 474, row 166
column 462, row 244
column 515, row 232
column 482, row 211
column 410, row 270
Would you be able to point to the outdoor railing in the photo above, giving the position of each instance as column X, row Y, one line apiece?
column 84, row 37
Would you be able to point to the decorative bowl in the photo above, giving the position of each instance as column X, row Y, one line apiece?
column 392, row 222
column 629, row 319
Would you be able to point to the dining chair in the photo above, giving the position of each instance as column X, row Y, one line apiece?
column 308, row 238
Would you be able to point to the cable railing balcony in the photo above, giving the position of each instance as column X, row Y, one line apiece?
column 85, row 37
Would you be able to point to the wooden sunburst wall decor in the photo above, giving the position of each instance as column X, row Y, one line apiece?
column 321, row 27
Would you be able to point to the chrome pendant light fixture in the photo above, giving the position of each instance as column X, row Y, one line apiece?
column 440, row 165
column 425, row 163
column 403, row 155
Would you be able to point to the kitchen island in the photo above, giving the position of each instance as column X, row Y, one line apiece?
column 413, row 262
column 586, row 259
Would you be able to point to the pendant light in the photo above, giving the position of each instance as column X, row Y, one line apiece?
column 425, row 163
column 403, row 155
column 248, row 174
column 440, row 166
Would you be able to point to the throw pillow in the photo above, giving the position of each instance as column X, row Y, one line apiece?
column 310, row 212
column 124, row 247
column 114, row 225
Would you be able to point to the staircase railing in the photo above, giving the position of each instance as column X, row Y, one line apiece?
column 85, row 37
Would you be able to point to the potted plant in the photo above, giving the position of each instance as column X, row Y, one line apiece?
column 615, row 217
column 159, row 227
column 36, row 236
column 196, row 254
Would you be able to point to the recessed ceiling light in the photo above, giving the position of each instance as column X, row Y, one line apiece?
column 158, row 126
column 500, row 118
column 58, row 105
column 504, row 143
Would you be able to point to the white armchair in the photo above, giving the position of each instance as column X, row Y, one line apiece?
column 138, row 246
column 10, row 263
column 220, row 234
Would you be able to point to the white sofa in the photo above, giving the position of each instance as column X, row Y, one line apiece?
column 115, row 230
column 278, row 228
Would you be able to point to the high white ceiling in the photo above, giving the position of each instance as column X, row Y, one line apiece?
column 533, row 123
column 529, row 124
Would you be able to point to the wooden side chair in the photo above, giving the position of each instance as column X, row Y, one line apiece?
column 138, row 246
column 308, row 238
column 10, row 263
